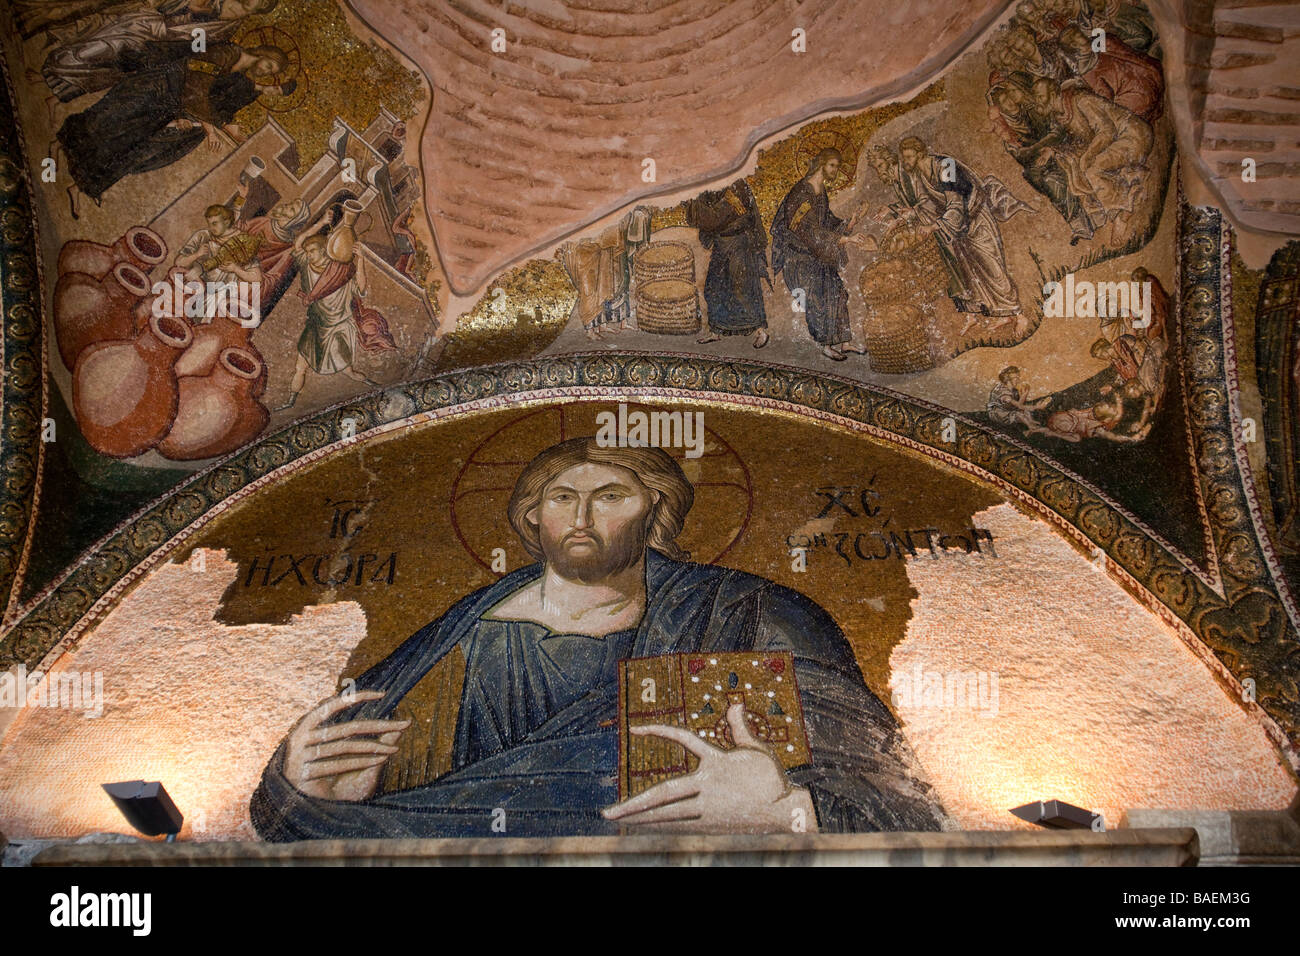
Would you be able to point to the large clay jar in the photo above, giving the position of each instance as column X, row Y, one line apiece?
column 124, row 393
column 141, row 314
column 343, row 237
column 210, row 340
column 138, row 246
column 218, row 412
column 89, row 310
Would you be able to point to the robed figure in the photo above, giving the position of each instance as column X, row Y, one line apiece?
column 535, row 741
column 731, row 229
column 962, row 210
column 1026, row 133
column 278, row 233
column 158, row 115
column 808, row 243
column 337, row 318
column 118, row 42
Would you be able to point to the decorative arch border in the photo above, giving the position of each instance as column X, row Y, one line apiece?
column 22, row 392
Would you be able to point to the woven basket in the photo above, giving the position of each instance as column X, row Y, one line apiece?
column 664, row 260
column 898, row 335
column 668, row 307
column 897, row 340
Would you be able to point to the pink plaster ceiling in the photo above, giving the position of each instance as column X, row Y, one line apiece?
column 1240, row 99
column 523, row 147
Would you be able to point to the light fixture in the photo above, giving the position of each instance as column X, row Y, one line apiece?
column 1059, row 815
column 146, row 807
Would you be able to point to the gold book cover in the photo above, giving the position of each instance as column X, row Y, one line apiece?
column 695, row 691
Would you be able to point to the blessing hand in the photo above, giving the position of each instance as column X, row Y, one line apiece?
column 340, row 761
column 744, row 790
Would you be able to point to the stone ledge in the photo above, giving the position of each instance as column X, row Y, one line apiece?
column 1147, row 847
column 1233, row 837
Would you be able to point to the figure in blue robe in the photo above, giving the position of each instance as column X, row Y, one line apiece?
column 732, row 230
column 807, row 253
column 537, row 731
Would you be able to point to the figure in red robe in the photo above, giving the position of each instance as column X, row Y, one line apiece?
column 1121, row 74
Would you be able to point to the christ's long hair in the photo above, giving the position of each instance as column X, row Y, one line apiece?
column 652, row 467
column 822, row 158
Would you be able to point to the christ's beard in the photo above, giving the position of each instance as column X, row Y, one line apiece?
column 601, row 560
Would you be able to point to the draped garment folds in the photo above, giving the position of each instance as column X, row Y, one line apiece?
column 62, row 19
column 730, row 228
column 807, row 253
column 275, row 251
column 1026, row 133
column 964, row 211
column 1103, row 149
column 336, row 318
column 537, row 733
column 129, row 130
column 116, row 44
column 1127, row 78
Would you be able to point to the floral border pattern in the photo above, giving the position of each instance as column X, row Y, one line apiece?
column 22, row 394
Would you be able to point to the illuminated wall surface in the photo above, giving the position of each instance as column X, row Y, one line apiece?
column 751, row 417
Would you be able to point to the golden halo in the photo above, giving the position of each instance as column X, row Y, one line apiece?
column 274, row 36
column 814, row 141
column 724, row 494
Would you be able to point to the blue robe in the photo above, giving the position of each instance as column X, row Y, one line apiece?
column 537, row 732
column 737, row 244
column 806, row 252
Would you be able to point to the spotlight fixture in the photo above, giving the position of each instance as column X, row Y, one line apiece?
column 146, row 807
column 1059, row 815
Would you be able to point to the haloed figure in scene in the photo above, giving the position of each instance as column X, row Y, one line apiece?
column 730, row 228
column 336, row 320
column 808, row 250
column 537, row 657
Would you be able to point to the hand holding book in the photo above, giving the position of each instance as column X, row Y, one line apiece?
column 741, row 790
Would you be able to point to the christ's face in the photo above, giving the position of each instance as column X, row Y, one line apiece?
column 910, row 158
column 830, row 170
column 592, row 521
column 265, row 67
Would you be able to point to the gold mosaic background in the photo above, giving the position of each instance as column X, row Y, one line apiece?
column 409, row 477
